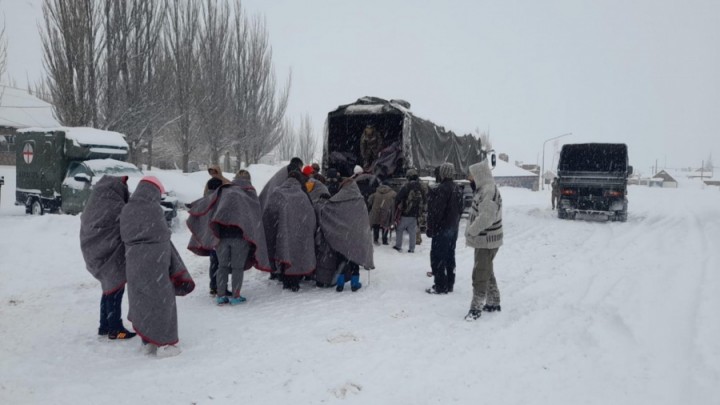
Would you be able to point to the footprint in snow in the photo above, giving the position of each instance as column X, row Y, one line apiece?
column 347, row 388
column 343, row 338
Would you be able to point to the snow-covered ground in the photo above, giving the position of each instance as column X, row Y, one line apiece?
column 593, row 313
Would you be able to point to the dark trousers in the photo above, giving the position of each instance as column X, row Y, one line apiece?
column 213, row 270
column 111, row 311
column 442, row 259
column 376, row 234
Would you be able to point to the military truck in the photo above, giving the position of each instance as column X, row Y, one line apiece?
column 592, row 178
column 56, row 168
column 407, row 140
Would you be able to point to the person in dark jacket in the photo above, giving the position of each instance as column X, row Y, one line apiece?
column 445, row 207
column 155, row 271
column 366, row 182
column 104, row 251
column 409, row 203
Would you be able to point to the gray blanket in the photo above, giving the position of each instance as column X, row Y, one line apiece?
column 100, row 243
column 235, row 205
column 343, row 221
column 289, row 221
column 275, row 181
column 155, row 271
column 318, row 189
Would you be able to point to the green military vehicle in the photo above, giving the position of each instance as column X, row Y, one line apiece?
column 56, row 168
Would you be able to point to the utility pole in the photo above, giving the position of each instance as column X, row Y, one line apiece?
column 542, row 172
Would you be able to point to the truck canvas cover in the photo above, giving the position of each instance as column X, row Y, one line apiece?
column 419, row 143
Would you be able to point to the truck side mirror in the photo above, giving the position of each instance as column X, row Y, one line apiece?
column 82, row 177
column 630, row 170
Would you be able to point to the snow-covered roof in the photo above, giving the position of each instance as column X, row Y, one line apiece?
column 505, row 169
column 87, row 136
column 18, row 109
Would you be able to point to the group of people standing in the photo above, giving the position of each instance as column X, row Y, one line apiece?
column 303, row 225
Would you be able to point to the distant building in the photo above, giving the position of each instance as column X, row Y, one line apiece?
column 666, row 180
column 509, row 175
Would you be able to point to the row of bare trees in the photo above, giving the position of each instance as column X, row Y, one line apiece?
column 193, row 79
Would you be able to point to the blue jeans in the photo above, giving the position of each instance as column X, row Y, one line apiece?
column 111, row 312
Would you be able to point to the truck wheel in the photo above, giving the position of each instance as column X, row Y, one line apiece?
column 562, row 214
column 36, row 208
column 621, row 216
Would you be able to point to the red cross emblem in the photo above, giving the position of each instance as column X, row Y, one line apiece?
column 28, row 153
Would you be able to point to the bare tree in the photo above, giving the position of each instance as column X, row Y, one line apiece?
column 71, row 50
column 306, row 140
column 132, row 31
column 287, row 146
column 181, row 52
column 214, row 92
column 258, row 108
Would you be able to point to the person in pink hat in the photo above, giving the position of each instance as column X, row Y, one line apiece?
column 155, row 272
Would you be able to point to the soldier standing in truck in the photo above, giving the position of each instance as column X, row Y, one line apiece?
column 370, row 145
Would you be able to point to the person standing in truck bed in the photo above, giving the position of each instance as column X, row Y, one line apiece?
column 370, row 145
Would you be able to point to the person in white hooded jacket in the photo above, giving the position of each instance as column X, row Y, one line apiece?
column 484, row 233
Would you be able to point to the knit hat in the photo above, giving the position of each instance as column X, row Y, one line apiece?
column 447, row 171
column 333, row 174
column 155, row 181
column 411, row 173
column 308, row 170
column 357, row 169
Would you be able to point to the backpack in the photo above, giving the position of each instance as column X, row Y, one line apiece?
column 413, row 202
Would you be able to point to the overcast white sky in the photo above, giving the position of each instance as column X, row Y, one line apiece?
column 642, row 72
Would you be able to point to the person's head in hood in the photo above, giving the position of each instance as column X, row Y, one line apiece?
column 154, row 181
column 295, row 164
column 411, row 174
column 243, row 174
column 333, row 181
column 358, row 170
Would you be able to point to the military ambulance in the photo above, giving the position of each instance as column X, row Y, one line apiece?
column 57, row 167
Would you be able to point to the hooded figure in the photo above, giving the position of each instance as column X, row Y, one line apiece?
column 216, row 174
column 484, row 233
column 382, row 204
column 155, row 271
column 343, row 227
column 104, row 252
column 278, row 179
column 233, row 206
column 289, row 221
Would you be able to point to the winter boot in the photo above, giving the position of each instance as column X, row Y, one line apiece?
column 434, row 290
column 340, row 283
column 222, row 300
column 237, row 300
column 491, row 308
column 355, row 283
column 473, row 315
column 122, row 334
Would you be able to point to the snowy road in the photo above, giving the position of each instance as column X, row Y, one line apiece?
column 593, row 313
